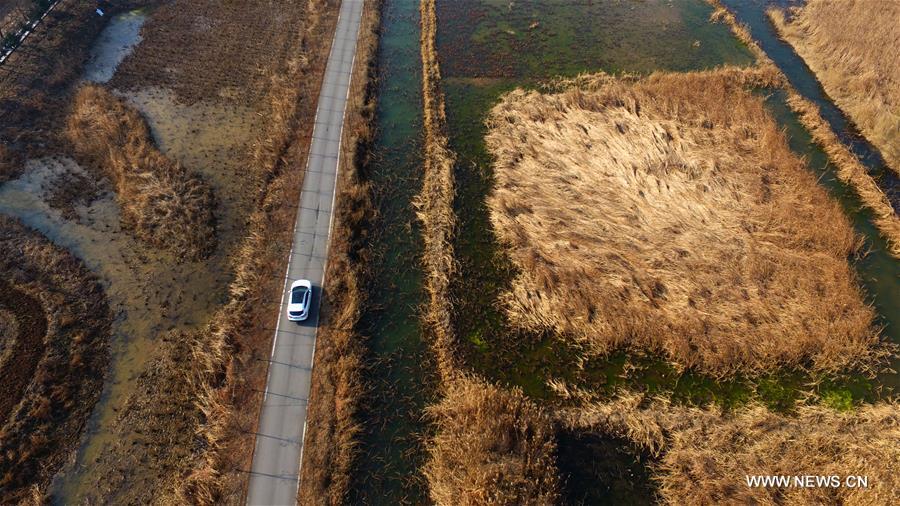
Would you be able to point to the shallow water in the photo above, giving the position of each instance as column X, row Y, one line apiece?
column 397, row 374
column 118, row 39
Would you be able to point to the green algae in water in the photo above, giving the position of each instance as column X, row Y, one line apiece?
column 538, row 38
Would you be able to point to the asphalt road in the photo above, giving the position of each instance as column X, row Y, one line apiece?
column 274, row 476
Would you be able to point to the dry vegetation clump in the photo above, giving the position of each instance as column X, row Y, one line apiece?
column 53, row 375
column 165, row 204
column 704, row 455
column 669, row 214
column 851, row 47
column 850, row 170
column 435, row 202
column 337, row 387
column 493, row 446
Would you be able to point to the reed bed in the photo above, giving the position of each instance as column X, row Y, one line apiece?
column 435, row 202
column 669, row 215
column 166, row 205
column 847, row 45
column 338, row 388
column 493, row 446
column 703, row 455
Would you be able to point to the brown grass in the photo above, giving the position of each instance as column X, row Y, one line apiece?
column 435, row 202
column 704, row 455
column 337, row 389
column 166, row 205
column 851, row 47
column 230, row 369
column 51, row 383
column 670, row 215
column 849, row 170
column 493, row 446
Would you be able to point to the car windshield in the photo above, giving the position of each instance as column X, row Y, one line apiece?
column 297, row 294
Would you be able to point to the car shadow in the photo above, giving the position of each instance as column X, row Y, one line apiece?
column 313, row 320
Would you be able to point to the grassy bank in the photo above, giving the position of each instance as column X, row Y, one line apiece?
column 844, row 43
column 333, row 416
column 435, row 202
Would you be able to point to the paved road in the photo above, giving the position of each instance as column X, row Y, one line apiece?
column 274, row 477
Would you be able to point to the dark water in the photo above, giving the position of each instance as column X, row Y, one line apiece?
column 398, row 381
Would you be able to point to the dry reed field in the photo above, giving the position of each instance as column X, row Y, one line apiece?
column 493, row 446
column 635, row 227
column 166, row 205
column 703, row 455
column 337, row 387
column 53, row 372
column 847, row 44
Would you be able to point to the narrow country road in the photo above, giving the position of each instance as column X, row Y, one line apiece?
column 275, row 474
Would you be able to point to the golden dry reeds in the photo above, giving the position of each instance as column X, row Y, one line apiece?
column 704, row 456
column 165, row 204
column 669, row 215
column 493, row 446
column 851, row 46
column 435, row 202
column 849, row 170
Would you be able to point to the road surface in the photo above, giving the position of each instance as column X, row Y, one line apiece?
column 274, row 476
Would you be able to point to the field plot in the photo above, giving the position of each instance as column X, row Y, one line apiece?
column 632, row 227
column 844, row 45
column 172, row 178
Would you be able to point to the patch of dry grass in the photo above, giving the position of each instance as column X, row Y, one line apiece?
column 851, row 46
column 704, row 455
column 435, row 202
column 493, row 446
column 668, row 214
column 165, row 204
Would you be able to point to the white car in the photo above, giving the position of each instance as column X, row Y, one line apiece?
column 300, row 299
